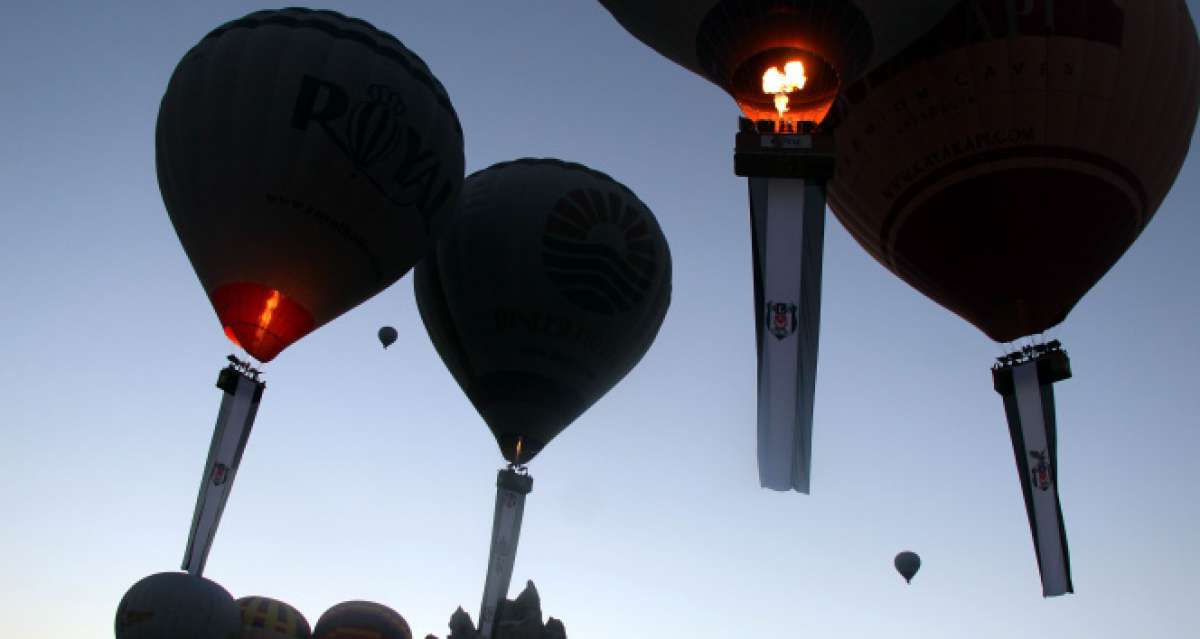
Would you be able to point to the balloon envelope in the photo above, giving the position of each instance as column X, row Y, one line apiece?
column 907, row 564
column 306, row 160
column 354, row 619
column 266, row 618
column 1003, row 162
column 176, row 605
column 548, row 288
column 387, row 336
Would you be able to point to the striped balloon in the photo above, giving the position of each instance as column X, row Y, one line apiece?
column 266, row 618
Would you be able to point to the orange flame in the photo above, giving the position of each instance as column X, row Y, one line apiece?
column 780, row 84
column 264, row 320
column 517, row 455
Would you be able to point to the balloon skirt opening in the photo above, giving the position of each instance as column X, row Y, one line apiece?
column 259, row 319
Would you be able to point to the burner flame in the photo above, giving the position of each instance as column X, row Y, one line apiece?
column 781, row 84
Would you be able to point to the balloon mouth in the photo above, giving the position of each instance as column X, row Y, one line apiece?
column 519, row 449
column 809, row 102
column 259, row 319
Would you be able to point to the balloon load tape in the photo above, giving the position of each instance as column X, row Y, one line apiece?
column 227, row 379
column 803, row 151
column 516, row 479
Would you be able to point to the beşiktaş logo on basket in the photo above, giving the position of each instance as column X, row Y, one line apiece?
column 781, row 319
column 370, row 131
column 220, row 473
column 1039, row 474
column 599, row 251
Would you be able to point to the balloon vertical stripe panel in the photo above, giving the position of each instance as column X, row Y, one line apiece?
column 307, row 161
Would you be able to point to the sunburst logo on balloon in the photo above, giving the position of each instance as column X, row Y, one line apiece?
column 599, row 251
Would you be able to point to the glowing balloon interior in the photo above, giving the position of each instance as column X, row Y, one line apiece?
column 735, row 44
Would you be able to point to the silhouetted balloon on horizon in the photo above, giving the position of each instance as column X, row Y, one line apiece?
column 176, row 605
column 907, row 564
column 267, row 618
column 1003, row 162
column 361, row 619
column 307, row 160
column 388, row 336
column 548, row 289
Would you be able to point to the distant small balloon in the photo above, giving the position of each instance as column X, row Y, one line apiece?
column 387, row 336
column 907, row 564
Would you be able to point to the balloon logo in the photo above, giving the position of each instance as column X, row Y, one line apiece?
column 372, row 129
column 599, row 252
column 907, row 564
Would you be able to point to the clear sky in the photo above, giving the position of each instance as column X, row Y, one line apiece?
column 370, row 476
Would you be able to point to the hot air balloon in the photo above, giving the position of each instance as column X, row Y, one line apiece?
column 177, row 606
column 784, row 62
column 387, row 336
column 266, row 618
column 1002, row 163
column 354, row 619
column 307, row 161
column 549, row 287
column 907, row 564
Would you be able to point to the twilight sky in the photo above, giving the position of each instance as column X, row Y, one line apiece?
column 370, row 476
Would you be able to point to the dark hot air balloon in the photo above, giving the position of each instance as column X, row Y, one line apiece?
column 907, row 564
column 549, row 287
column 547, row 290
column 361, row 619
column 174, row 605
column 306, row 160
column 266, row 618
column 387, row 336
column 1002, row 163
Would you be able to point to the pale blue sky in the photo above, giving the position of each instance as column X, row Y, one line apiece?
column 369, row 475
